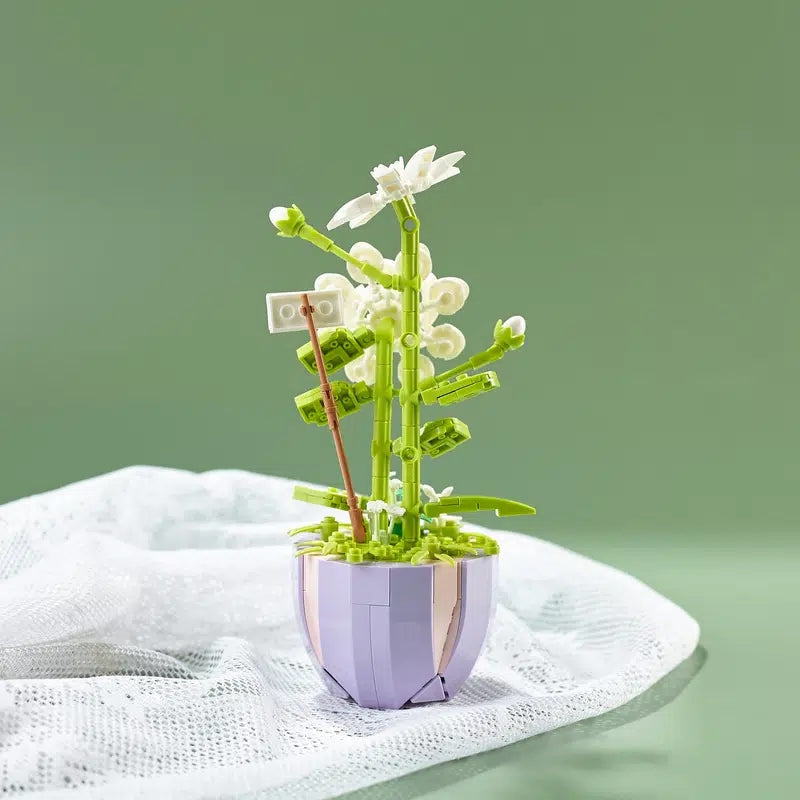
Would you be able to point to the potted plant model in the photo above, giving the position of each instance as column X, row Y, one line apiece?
column 394, row 604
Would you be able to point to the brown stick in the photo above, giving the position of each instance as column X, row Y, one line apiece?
column 356, row 519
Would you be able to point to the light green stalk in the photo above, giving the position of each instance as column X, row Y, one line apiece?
column 295, row 225
column 382, row 419
column 408, row 283
column 410, row 452
column 504, row 341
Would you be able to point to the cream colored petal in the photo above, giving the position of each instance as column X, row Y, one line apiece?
column 334, row 280
column 448, row 294
column 362, row 369
column 426, row 368
column 517, row 325
column 426, row 286
column 425, row 262
column 388, row 305
column 445, row 341
column 278, row 214
column 427, row 318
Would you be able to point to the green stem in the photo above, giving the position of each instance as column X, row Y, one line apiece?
column 410, row 452
column 311, row 234
column 487, row 356
column 382, row 419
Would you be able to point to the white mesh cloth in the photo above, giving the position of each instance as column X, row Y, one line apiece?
column 148, row 649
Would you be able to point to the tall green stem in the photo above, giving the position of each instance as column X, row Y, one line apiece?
column 410, row 452
column 382, row 419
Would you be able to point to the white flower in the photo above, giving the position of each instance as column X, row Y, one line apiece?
column 368, row 303
column 427, row 314
column 445, row 341
column 388, row 305
column 446, row 295
column 397, row 181
column 334, row 280
column 517, row 325
column 393, row 511
column 426, row 368
column 362, row 369
column 278, row 214
column 434, row 496
column 392, row 181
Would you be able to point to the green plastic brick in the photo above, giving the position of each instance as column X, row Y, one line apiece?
column 348, row 397
column 460, row 388
column 339, row 347
column 440, row 436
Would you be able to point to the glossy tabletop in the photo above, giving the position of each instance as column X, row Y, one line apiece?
column 721, row 725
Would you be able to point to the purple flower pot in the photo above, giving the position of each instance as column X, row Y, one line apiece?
column 388, row 634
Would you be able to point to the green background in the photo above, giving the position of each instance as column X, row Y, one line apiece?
column 631, row 185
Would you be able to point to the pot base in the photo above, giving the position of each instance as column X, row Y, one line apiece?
column 389, row 634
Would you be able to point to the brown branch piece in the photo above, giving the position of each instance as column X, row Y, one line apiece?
column 356, row 518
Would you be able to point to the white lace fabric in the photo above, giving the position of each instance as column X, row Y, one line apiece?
column 148, row 648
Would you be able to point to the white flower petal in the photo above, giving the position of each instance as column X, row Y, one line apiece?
column 445, row 341
column 387, row 305
column 426, row 368
column 427, row 285
column 278, row 214
column 359, row 208
column 419, row 165
column 425, row 262
column 334, row 280
column 391, row 180
column 362, row 369
column 427, row 318
column 447, row 294
column 517, row 325
column 429, row 492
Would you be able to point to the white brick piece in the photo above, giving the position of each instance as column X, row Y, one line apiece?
column 283, row 310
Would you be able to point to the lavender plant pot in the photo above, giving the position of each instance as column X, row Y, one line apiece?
column 387, row 635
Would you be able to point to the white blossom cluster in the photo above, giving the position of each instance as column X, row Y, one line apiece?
column 368, row 302
column 396, row 181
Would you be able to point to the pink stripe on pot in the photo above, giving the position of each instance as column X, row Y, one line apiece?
column 311, row 602
column 446, row 594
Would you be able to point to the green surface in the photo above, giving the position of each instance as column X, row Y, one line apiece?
column 721, row 726
column 631, row 181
